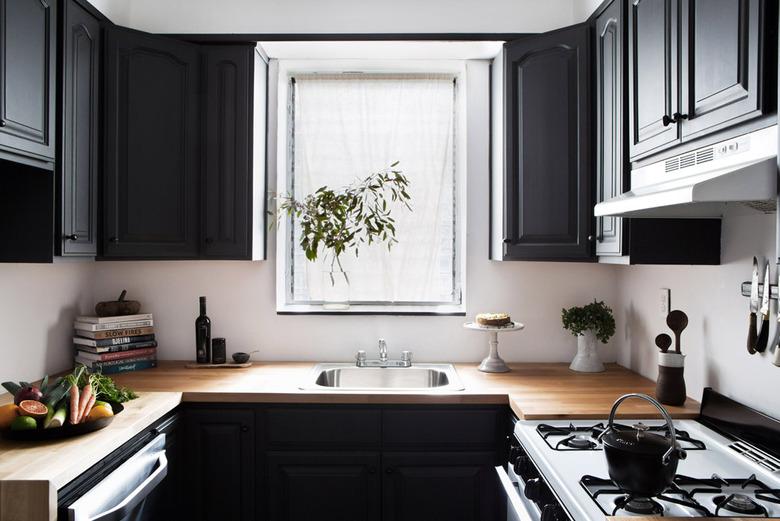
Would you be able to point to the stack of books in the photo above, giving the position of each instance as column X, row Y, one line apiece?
column 115, row 344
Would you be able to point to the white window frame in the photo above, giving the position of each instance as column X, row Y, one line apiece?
column 284, row 70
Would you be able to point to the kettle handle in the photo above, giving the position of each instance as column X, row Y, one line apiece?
column 664, row 413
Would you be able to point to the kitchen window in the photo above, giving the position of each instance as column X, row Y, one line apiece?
column 343, row 126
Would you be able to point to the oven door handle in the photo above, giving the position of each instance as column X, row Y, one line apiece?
column 513, row 496
column 135, row 497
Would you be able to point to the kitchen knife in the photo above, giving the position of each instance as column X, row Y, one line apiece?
column 752, row 333
column 763, row 335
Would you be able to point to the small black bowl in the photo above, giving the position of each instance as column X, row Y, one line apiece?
column 240, row 358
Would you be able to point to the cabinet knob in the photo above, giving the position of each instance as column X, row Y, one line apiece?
column 666, row 120
column 2, row 122
column 389, row 470
column 115, row 240
column 679, row 117
column 245, row 428
column 72, row 237
column 595, row 238
column 209, row 240
column 372, row 470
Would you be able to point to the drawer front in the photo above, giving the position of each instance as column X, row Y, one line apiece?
column 442, row 427
column 319, row 427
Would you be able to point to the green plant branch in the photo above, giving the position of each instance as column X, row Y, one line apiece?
column 596, row 316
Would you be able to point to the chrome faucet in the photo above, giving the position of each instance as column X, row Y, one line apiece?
column 405, row 361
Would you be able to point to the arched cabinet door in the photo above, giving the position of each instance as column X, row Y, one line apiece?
column 28, row 70
column 548, row 176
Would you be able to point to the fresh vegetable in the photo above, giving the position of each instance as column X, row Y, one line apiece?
column 86, row 394
column 56, row 392
column 74, row 404
column 99, row 412
column 12, row 387
column 57, row 419
column 89, row 407
column 28, row 392
column 100, row 403
column 24, row 423
column 106, row 389
column 32, row 408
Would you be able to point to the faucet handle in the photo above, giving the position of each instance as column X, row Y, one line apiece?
column 382, row 343
column 361, row 356
column 406, row 356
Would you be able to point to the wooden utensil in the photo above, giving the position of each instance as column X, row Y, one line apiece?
column 677, row 322
column 663, row 341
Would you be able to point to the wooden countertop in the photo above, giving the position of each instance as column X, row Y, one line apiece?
column 534, row 391
column 31, row 474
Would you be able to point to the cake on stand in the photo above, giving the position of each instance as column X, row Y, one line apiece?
column 493, row 363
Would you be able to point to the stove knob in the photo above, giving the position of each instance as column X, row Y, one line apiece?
column 522, row 465
column 533, row 489
column 551, row 513
column 514, row 453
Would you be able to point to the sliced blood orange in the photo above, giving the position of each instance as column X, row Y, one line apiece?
column 32, row 408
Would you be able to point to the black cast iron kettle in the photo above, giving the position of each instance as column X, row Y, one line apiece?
column 641, row 463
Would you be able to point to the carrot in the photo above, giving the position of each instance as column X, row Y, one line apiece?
column 90, row 404
column 86, row 394
column 74, row 404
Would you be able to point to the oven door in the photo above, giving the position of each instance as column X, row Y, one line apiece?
column 518, row 507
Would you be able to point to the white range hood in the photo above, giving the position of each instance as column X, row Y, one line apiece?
column 699, row 182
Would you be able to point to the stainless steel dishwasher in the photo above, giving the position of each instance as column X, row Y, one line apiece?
column 121, row 495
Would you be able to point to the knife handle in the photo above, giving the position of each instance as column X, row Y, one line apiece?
column 763, row 336
column 752, row 335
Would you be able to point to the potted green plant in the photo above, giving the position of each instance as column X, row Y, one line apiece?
column 336, row 221
column 589, row 323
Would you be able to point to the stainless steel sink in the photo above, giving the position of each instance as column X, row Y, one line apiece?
column 418, row 377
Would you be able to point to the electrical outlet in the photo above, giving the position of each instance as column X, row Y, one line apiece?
column 665, row 298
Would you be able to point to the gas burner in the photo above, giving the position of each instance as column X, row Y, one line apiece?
column 577, row 442
column 638, row 505
column 739, row 504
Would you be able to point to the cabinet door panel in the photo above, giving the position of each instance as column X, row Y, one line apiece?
column 653, row 74
column 227, row 197
column 610, row 161
column 720, row 63
column 548, row 170
column 326, row 486
column 78, row 164
column 445, row 485
column 27, row 76
column 221, row 464
column 152, row 147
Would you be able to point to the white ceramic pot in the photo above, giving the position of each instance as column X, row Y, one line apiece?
column 587, row 359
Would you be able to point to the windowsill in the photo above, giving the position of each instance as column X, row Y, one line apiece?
column 305, row 309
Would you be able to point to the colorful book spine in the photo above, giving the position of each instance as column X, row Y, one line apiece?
column 112, row 341
column 112, row 320
column 117, row 348
column 115, row 333
column 128, row 366
column 119, row 355
column 83, row 326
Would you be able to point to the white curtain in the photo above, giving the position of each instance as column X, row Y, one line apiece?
column 348, row 126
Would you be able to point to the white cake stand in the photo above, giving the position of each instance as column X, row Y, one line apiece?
column 493, row 363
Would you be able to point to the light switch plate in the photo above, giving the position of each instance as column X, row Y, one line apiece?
column 665, row 297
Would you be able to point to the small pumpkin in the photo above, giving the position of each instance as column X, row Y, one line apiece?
column 119, row 307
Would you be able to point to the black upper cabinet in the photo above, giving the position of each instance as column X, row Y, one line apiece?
column 78, row 163
column 326, row 486
column 152, row 160
column 227, row 181
column 456, row 486
column 696, row 67
column 28, row 30
column 720, row 61
column 220, row 452
column 548, row 169
column 653, row 67
column 611, row 167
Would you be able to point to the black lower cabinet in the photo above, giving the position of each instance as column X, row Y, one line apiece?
column 326, row 486
column 220, row 464
column 456, row 486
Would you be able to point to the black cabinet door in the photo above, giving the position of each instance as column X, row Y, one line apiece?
column 721, row 52
column 326, row 486
column 79, row 107
column 456, row 486
column 610, row 128
column 28, row 31
column 227, row 184
column 653, row 74
column 548, row 177
column 152, row 161
column 220, row 464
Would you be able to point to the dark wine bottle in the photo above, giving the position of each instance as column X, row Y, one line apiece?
column 203, row 335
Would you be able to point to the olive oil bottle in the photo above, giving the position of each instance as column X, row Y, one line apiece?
column 203, row 335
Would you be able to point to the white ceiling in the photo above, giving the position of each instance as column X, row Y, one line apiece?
column 382, row 50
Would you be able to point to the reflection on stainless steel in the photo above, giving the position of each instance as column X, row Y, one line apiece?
column 348, row 377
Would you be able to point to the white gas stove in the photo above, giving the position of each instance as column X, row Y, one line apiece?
column 558, row 471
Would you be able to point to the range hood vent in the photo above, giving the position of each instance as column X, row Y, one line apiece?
column 698, row 183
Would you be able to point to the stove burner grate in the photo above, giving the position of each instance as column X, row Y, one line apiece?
column 739, row 504
column 585, row 437
column 577, row 442
column 638, row 505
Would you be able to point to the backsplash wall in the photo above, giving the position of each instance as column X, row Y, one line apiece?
column 714, row 341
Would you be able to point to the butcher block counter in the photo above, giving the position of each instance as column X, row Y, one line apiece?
column 31, row 473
